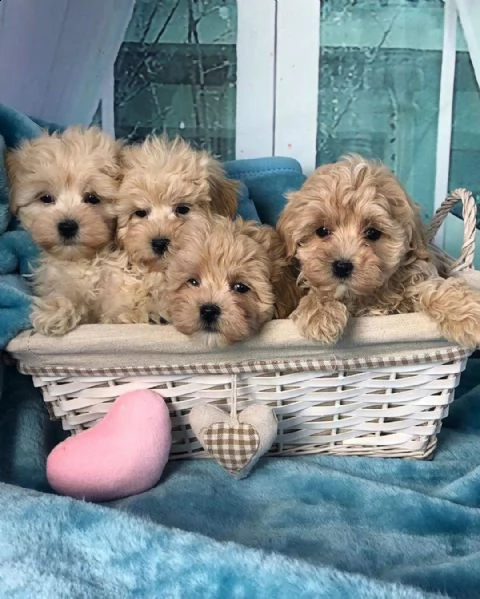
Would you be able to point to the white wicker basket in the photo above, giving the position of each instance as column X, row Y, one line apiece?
column 382, row 391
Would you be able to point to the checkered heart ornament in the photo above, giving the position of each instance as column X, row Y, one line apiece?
column 235, row 441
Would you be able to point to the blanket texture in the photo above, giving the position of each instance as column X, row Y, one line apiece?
column 17, row 251
column 317, row 526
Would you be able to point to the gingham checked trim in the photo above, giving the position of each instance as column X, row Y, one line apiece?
column 262, row 366
column 232, row 445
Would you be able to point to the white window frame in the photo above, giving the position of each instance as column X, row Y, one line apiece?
column 256, row 64
column 296, row 81
column 445, row 111
column 278, row 49
column 107, row 102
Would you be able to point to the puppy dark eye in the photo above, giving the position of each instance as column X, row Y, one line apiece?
column 194, row 282
column 323, row 232
column 91, row 198
column 372, row 234
column 181, row 209
column 140, row 213
column 240, row 288
column 47, row 199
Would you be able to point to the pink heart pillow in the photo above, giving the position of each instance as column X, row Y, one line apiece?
column 124, row 454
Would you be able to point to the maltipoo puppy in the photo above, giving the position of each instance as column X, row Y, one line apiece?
column 165, row 183
column 361, row 247
column 226, row 279
column 62, row 188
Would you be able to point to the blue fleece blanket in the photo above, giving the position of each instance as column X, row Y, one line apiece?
column 319, row 527
column 17, row 250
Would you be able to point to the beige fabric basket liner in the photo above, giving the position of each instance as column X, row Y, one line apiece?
column 370, row 340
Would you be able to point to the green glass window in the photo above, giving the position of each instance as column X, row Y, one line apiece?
column 176, row 73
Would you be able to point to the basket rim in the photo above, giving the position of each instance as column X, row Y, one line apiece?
column 445, row 354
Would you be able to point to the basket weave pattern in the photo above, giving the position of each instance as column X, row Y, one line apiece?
column 388, row 407
column 393, row 411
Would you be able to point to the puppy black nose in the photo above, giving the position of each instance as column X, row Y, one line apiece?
column 160, row 245
column 68, row 228
column 342, row 269
column 210, row 313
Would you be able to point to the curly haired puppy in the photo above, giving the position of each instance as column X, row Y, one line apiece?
column 361, row 247
column 62, row 188
column 227, row 279
column 165, row 183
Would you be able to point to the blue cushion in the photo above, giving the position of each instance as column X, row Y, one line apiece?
column 246, row 207
column 268, row 180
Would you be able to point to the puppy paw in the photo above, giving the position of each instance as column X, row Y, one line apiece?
column 455, row 307
column 463, row 327
column 125, row 317
column 154, row 318
column 456, row 332
column 55, row 318
column 320, row 321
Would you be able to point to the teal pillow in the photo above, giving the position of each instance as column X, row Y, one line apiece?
column 268, row 180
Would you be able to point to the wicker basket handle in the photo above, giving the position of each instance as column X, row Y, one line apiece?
column 469, row 213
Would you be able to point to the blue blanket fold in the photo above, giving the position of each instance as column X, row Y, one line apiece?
column 82, row 550
column 15, row 305
column 17, row 250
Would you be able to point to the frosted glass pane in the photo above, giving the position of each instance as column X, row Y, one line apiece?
column 380, row 66
column 176, row 72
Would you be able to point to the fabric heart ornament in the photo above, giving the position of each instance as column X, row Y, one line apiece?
column 236, row 442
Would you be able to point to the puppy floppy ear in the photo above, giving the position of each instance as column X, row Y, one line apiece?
column 287, row 225
column 418, row 242
column 282, row 274
column 406, row 212
column 264, row 235
column 223, row 191
column 17, row 161
column 126, row 156
column 113, row 168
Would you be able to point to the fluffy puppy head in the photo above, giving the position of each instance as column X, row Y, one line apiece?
column 219, row 282
column 62, row 188
column 351, row 226
column 165, row 184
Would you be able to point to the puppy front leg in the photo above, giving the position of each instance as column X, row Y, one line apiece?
column 55, row 315
column 157, row 307
column 454, row 306
column 319, row 319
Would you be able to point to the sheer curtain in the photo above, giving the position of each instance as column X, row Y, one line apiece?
column 56, row 54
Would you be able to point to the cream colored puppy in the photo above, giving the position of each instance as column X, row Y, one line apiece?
column 226, row 279
column 361, row 247
column 62, row 190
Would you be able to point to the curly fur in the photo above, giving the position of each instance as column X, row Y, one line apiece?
column 158, row 176
column 216, row 254
column 68, row 167
column 283, row 274
column 330, row 220
column 130, row 293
